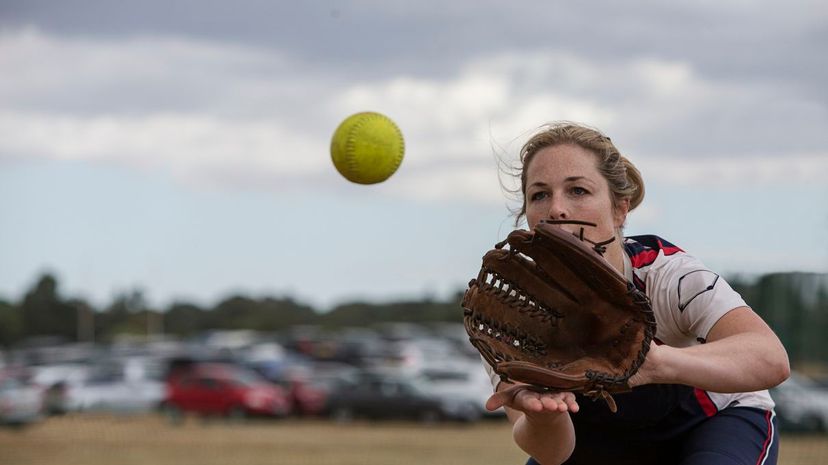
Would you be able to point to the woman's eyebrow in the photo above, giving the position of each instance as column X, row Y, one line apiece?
column 568, row 179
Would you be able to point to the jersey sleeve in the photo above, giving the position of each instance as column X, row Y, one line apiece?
column 688, row 298
column 494, row 378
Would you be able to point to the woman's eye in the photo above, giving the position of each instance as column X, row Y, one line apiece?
column 578, row 191
column 538, row 196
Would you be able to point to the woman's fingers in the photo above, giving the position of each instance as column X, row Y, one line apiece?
column 505, row 398
column 501, row 398
column 571, row 403
column 530, row 400
column 553, row 404
column 495, row 401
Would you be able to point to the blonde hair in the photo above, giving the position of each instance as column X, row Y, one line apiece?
column 624, row 179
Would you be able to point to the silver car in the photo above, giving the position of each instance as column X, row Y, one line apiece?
column 801, row 404
column 20, row 403
column 467, row 381
column 123, row 385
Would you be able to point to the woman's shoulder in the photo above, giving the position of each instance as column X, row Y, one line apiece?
column 644, row 250
column 654, row 258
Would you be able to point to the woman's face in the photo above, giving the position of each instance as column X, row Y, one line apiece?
column 563, row 183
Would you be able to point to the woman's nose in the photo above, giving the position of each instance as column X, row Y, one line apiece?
column 557, row 210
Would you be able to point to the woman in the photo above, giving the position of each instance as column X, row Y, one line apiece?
column 701, row 396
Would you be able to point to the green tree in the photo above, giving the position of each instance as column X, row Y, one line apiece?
column 45, row 314
column 184, row 319
column 268, row 314
column 795, row 306
column 11, row 324
column 125, row 315
column 417, row 311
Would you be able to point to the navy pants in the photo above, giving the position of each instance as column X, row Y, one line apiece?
column 733, row 436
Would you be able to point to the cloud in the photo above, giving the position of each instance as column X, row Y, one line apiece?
column 739, row 172
column 180, row 143
column 209, row 113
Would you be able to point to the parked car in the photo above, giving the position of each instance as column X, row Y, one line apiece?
column 121, row 385
column 327, row 377
column 461, row 381
column 56, row 399
column 60, row 383
column 222, row 389
column 801, row 404
column 21, row 403
column 390, row 396
column 307, row 397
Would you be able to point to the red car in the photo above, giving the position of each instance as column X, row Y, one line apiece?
column 223, row 389
column 308, row 398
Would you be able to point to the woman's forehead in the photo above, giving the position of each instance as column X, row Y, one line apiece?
column 561, row 162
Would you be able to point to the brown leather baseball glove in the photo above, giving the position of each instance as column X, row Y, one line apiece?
column 551, row 312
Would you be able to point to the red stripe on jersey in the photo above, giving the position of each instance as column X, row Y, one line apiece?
column 706, row 404
column 768, row 439
column 646, row 257
column 669, row 249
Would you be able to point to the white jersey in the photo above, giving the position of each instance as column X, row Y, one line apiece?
column 687, row 300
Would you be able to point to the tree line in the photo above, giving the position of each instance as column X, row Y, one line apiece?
column 45, row 312
column 795, row 305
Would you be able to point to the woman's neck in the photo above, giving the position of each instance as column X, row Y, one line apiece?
column 615, row 254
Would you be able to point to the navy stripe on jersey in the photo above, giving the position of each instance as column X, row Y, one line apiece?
column 639, row 284
column 644, row 249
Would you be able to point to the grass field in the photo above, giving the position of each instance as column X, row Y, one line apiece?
column 149, row 440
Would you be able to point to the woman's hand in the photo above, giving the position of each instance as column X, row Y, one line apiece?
column 647, row 372
column 535, row 404
column 541, row 423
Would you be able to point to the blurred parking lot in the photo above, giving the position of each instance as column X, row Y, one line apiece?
column 398, row 371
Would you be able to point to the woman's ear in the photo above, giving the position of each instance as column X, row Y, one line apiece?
column 620, row 213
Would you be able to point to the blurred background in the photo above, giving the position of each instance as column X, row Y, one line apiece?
column 175, row 243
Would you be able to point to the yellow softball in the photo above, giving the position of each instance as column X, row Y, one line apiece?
column 367, row 148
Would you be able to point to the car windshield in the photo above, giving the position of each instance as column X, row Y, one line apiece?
column 417, row 386
column 9, row 384
column 155, row 371
column 106, row 374
column 246, row 378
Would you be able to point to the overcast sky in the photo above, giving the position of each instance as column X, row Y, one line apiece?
column 181, row 148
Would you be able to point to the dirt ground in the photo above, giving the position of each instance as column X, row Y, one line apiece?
column 150, row 440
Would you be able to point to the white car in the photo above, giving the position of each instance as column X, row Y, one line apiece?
column 20, row 403
column 127, row 385
column 461, row 380
column 801, row 404
column 58, row 381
